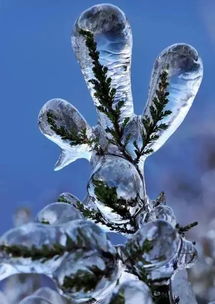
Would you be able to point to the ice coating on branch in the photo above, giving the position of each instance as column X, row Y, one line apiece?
column 152, row 246
column 131, row 292
column 61, row 122
column 92, row 275
column 116, row 188
column 185, row 71
column 28, row 241
column 58, row 213
column 40, row 248
column 113, row 36
column 134, row 130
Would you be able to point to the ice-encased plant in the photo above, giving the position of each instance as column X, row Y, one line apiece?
column 68, row 240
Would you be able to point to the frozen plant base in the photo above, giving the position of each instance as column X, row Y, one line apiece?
column 68, row 240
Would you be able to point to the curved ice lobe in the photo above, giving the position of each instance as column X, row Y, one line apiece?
column 97, row 272
column 35, row 300
column 58, row 213
column 185, row 71
column 113, row 36
column 47, row 294
column 62, row 123
column 116, row 188
column 40, row 248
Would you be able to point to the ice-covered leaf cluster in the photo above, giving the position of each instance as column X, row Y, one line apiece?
column 68, row 241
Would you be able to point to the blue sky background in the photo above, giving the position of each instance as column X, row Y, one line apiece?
column 37, row 64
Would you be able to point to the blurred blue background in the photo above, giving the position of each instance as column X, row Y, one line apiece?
column 37, row 64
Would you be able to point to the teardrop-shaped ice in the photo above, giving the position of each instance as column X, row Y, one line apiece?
column 92, row 275
column 58, row 213
column 113, row 36
column 154, row 245
column 185, row 71
column 61, row 122
column 116, row 188
column 131, row 292
column 35, row 300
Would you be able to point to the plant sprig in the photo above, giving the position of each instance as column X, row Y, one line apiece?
column 96, row 216
column 75, row 138
column 105, row 95
column 152, row 123
column 44, row 253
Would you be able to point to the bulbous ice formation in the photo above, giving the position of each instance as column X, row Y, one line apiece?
column 185, row 71
column 93, row 274
column 112, row 33
column 152, row 246
column 40, row 248
column 61, row 122
column 116, row 188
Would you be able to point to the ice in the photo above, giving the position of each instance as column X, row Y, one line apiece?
column 134, row 129
column 187, row 254
column 131, row 292
column 163, row 212
column 185, row 71
column 58, row 213
column 68, row 198
column 116, row 188
column 113, row 36
column 35, row 300
column 71, row 132
column 181, row 288
column 50, row 295
column 92, row 275
column 19, row 286
column 151, row 247
column 3, row 298
column 31, row 237
column 46, row 238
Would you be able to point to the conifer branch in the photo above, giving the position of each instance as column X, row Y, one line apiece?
column 44, row 253
column 183, row 229
column 96, row 216
column 152, row 125
column 84, row 280
column 75, row 138
column 106, row 95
